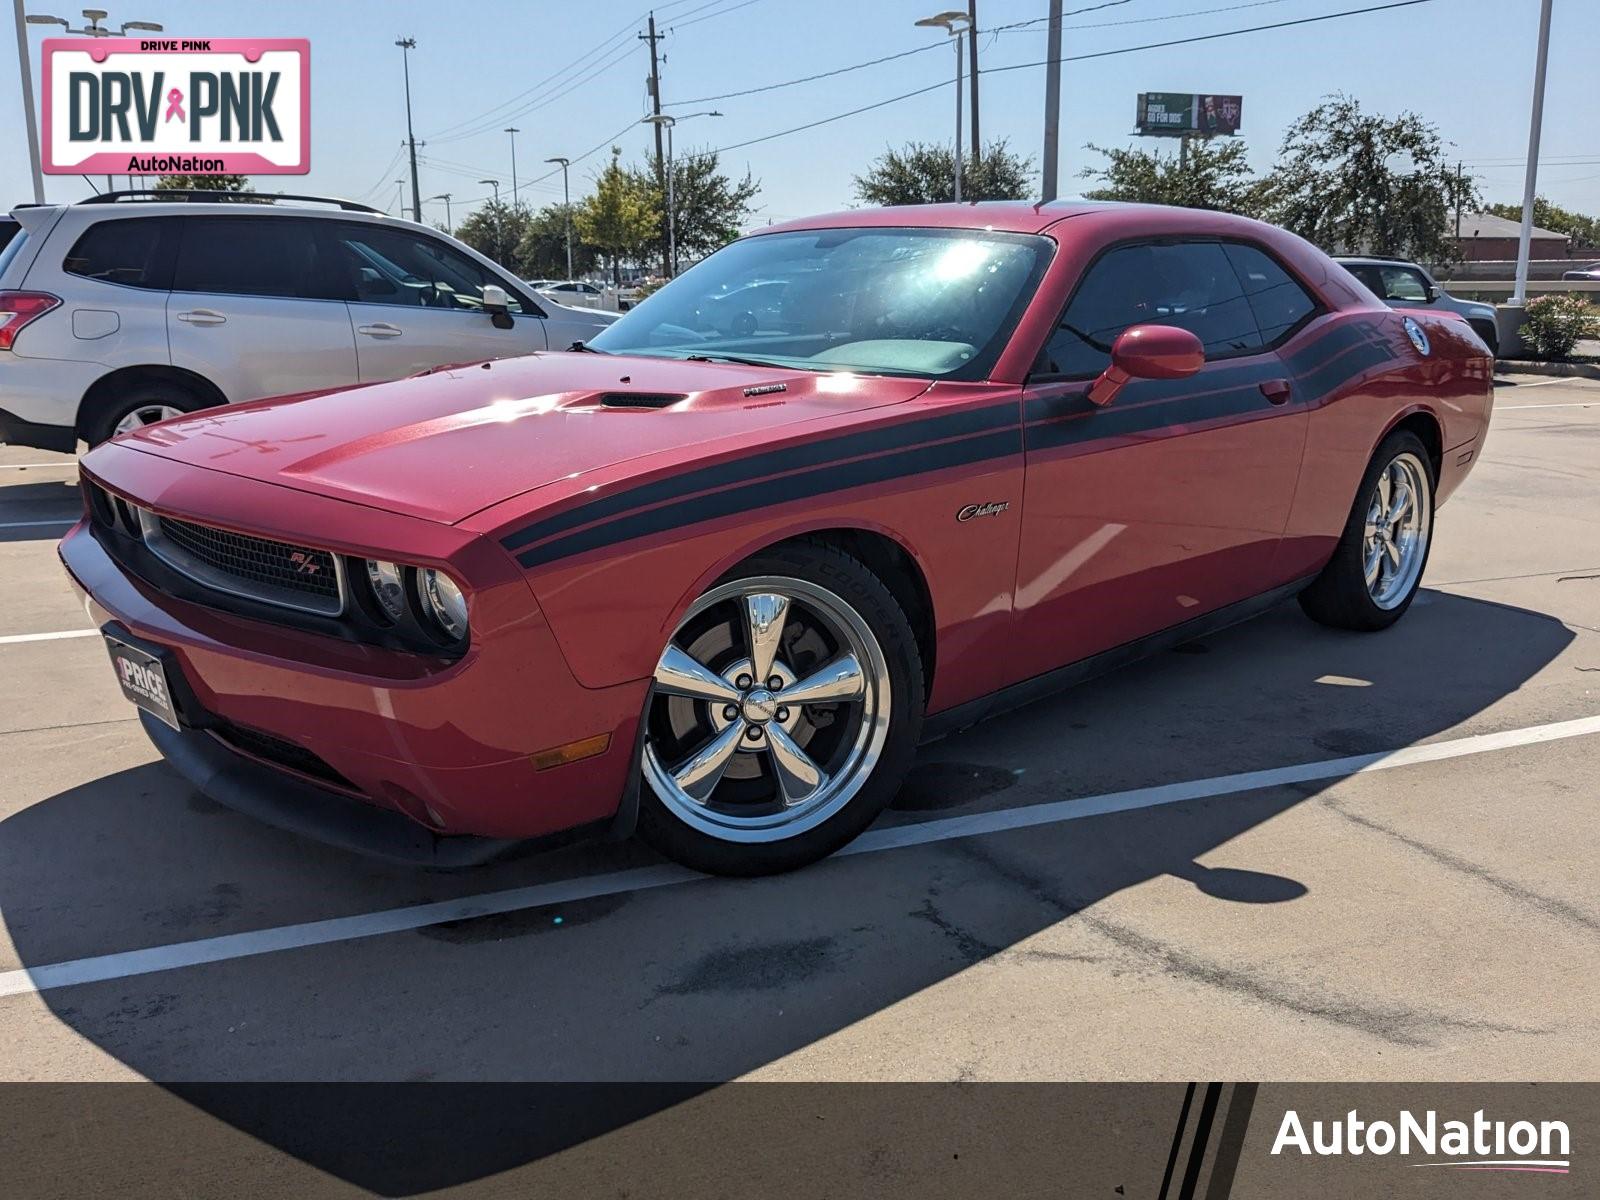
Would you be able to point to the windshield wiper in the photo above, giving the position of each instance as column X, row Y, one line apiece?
column 744, row 362
column 581, row 347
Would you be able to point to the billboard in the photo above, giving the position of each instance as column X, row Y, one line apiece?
column 159, row 106
column 1175, row 114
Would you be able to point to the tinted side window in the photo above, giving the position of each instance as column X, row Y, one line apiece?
column 1370, row 279
column 1188, row 284
column 250, row 256
column 1401, row 284
column 1278, row 302
column 126, row 252
column 394, row 266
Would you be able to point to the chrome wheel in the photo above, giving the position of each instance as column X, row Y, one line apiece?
column 770, row 711
column 1395, row 537
column 146, row 414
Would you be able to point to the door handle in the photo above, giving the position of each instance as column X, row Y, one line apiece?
column 1276, row 391
column 381, row 330
column 202, row 316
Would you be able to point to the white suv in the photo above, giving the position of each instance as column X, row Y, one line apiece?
column 129, row 308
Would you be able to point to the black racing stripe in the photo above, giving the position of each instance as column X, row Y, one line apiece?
column 820, row 481
column 761, row 465
column 1117, row 422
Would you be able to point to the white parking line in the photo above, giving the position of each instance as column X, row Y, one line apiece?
column 1563, row 404
column 37, row 524
column 37, row 466
column 12, row 639
column 129, row 963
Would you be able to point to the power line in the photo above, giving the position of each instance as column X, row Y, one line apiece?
column 1199, row 12
column 1354, row 12
column 677, row 25
column 772, row 87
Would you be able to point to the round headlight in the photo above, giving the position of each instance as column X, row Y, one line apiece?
column 444, row 602
column 387, row 588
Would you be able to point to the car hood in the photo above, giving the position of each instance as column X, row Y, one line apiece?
column 453, row 441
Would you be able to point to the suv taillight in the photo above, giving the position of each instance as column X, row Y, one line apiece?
column 18, row 308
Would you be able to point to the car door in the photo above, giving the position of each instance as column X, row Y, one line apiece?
column 252, row 310
column 417, row 302
column 1170, row 503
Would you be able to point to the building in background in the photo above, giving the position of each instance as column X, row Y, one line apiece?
column 1485, row 237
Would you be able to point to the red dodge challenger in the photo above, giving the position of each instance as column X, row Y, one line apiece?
column 846, row 485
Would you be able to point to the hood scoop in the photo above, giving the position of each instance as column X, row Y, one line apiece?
column 640, row 399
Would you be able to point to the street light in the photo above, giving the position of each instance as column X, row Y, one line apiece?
column 513, row 131
column 407, row 45
column 664, row 121
column 954, row 24
column 495, row 184
column 566, row 207
column 445, row 196
column 92, row 28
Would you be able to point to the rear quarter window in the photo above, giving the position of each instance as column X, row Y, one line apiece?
column 133, row 253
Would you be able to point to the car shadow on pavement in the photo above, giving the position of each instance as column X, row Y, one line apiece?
column 711, row 980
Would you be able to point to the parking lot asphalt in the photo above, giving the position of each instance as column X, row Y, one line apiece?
column 1401, row 887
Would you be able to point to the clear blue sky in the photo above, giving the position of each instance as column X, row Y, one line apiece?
column 1465, row 64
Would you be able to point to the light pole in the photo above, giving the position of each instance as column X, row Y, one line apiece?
column 954, row 24
column 407, row 45
column 664, row 121
column 566, row 207
column 400, row 195
column 513, row 131
column 445, row 196
column 91, row 28
column 500, row 216
column 1530, row 182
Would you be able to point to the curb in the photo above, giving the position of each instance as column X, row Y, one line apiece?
column 1517, row 366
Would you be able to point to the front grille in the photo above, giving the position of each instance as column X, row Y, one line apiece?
column 279, row 753
column 299, row 577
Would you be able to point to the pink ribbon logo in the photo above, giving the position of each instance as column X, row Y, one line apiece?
column 175, row 106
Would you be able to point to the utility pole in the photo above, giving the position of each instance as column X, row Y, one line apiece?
column 1460, row 183
column 1531, row 181
column 1052, row 102
column 513, row 131
column 407, row 45
column 972, row 33
column 655, row 110
column 566, row 207
column 27, row 106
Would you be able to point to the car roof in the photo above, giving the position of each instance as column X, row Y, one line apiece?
column 1013, row 216
column 1351, row 260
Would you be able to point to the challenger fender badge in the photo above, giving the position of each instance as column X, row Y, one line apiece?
column 992, row 509
column 766, row 389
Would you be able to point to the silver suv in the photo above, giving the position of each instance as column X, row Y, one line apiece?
column 129, row 308
column 1401, row 284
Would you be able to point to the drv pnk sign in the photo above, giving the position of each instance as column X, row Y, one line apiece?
column 159, row 106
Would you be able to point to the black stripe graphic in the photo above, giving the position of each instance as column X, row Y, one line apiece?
column 805, row 484
column 761, row 465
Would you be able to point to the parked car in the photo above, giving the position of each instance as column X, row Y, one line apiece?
column 1405, row 285
column 717, row 586
column 131, row 307
column 574, row 292
column 1588, row 274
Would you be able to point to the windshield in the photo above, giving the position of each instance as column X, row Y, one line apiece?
column 926, row 302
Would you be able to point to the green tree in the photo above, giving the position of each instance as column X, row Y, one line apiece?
column 711, row 206
column 1360, row 183
column 1584, row 230
column 924, row 173
column 1212, row 174
column 203, row 183
column 621, row 219
column 543, row 249
column 496, row 230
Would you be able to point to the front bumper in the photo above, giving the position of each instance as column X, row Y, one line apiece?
column 444, row 747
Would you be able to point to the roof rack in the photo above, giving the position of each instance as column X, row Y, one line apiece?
column 207, row 197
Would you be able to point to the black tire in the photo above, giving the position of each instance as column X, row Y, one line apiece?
column 1339, row 596
column 101, row 425
column 853, row 583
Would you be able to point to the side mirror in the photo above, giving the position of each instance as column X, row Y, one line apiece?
column 498, row 305
column 1148, row 352
column 1431, row 291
